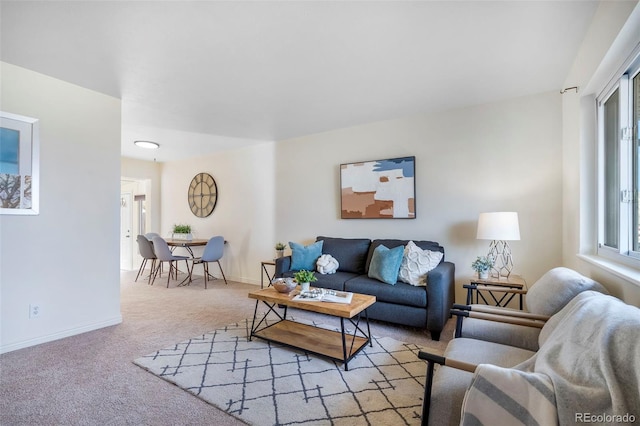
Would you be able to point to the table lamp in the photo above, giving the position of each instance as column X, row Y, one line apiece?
column 499, row 227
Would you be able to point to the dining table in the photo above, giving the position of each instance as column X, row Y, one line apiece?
column 187, row 244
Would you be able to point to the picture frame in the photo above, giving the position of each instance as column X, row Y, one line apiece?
column 19, row 165
column 379, row 189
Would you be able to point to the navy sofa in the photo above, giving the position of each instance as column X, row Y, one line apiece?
column 401, row 303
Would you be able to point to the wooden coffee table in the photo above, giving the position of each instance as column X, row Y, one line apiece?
column 316, row 340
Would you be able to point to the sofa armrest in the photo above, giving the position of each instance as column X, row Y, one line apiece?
column 440, row 297
column 283, row 264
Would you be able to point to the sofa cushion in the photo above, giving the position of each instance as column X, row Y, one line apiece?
column 400, row 294
column 556, row 288
column 416, row 262
column 385, row 264
column 331, row 281
column 351, row 253
column 425, row 245
column 305, row 257
column 398, row 314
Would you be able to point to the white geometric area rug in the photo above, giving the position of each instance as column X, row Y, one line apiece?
column 265, row 383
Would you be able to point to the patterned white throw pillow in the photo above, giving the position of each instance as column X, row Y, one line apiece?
column 416, row 263
column 327, row 264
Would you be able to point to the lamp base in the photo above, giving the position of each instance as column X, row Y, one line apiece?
column 500, row 252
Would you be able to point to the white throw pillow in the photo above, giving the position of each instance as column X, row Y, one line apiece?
column 327, row 264
column 416, row 263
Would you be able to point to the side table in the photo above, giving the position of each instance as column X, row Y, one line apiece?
column 265, row 271
column 509, row 287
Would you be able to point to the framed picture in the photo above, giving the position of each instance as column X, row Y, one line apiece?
column 19, row 165
column 381, row 189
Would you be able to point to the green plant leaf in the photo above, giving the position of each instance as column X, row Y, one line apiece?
column 304, row 276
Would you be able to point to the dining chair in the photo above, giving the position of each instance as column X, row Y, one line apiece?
column 213, row 252
column 164, row 254
column 145, row 247
column 150, row 235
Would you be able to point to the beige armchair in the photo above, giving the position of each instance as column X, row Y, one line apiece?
column 494, row 335
column 521, row 328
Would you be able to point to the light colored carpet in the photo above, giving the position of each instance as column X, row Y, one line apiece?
column 89, row 378
column 267, row 384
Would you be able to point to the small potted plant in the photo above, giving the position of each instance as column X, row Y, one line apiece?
column 304, row 278
column 280, row 249
column 182, row 232
column 482, row 265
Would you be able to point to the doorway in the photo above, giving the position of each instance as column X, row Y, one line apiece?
column 126, row 240
column 134, row 219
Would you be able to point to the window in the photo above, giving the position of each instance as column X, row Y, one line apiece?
column 619, row 171
column 610, row 111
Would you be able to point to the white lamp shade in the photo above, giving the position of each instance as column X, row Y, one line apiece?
column 498, row 226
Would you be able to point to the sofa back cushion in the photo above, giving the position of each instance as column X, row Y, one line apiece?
column 425, row 245
column 351, row 253
column 556, row 288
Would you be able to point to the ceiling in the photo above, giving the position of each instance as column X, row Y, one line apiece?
column 201, row 76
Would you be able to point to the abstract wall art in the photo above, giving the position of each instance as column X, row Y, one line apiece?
column 381, row 189
column 19, row 165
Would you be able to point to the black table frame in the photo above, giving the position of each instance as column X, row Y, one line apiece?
column 501, row 302
column 255, row 328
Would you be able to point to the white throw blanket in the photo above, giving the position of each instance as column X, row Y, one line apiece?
column 589, row 354
column 506, row 396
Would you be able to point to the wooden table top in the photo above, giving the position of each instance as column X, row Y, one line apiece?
column 185, row 243
column 514, row 281
column 359, row 302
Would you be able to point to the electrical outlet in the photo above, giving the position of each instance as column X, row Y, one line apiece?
column 34, row 311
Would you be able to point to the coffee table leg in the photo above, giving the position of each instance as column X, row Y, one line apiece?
column 254, row 326
column 253, row 322
column 344, row 345
column 366, row 317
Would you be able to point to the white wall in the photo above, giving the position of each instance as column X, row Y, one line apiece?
column 244, row 213
column 495, row 157
column 614, row 33
column 66, row 259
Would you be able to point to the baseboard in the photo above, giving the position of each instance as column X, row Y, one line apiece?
column 60, row 335
column 245, row 280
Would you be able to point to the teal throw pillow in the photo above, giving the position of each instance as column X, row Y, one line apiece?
column 305, row 257
column 385, row 264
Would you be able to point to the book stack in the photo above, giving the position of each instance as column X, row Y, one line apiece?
column 324, row 295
